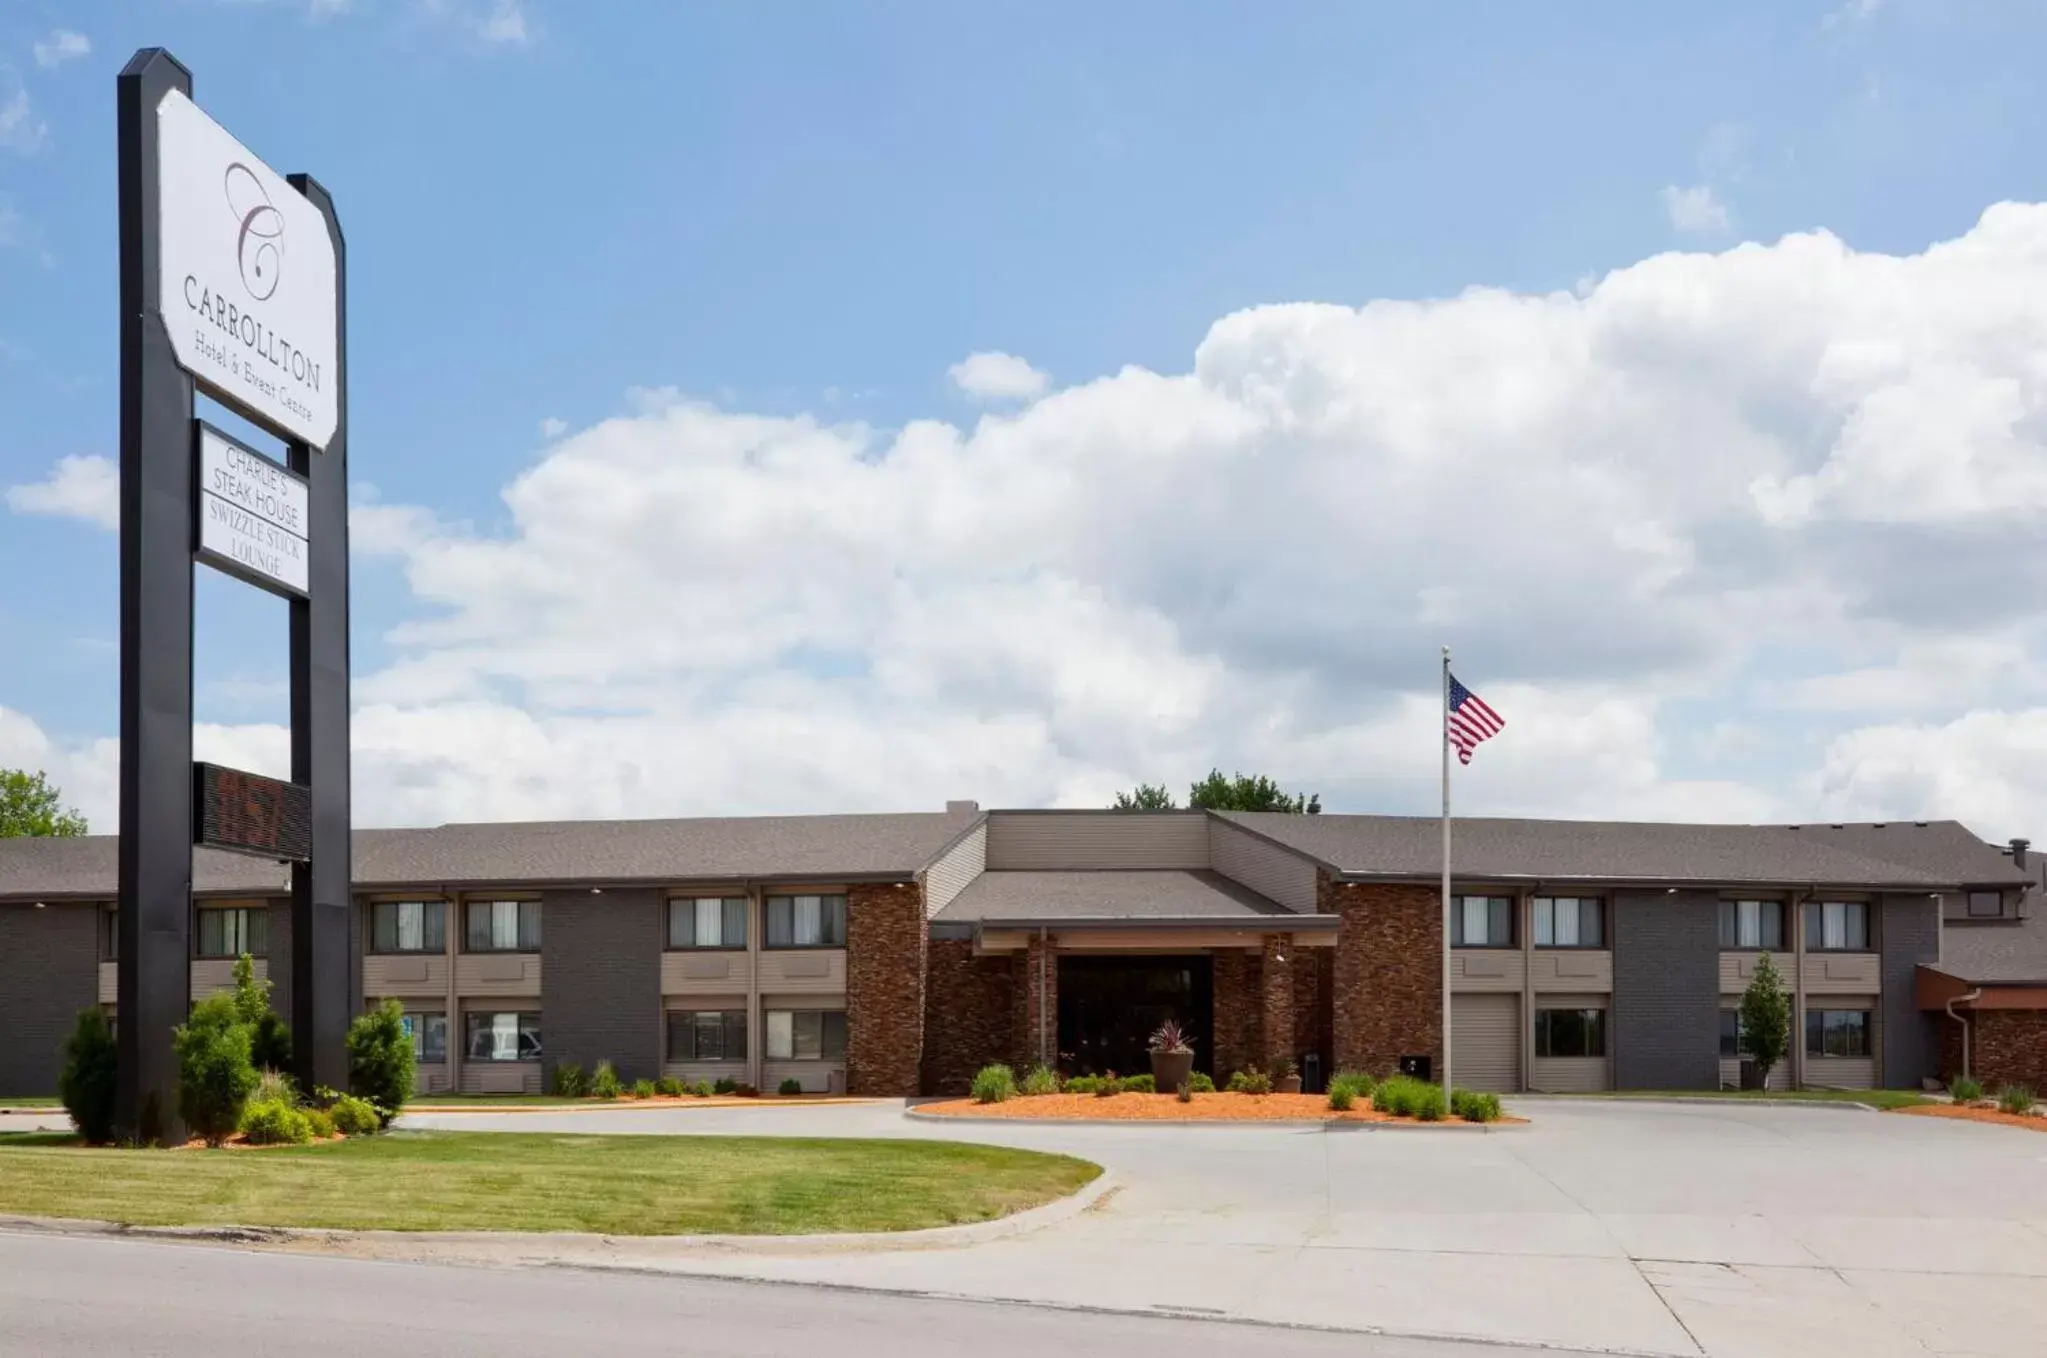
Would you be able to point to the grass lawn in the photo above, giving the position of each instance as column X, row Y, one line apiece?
column 492, row 1181
column 35, row 1101
column 1875, row 1098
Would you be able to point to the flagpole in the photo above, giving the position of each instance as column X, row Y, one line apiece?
column 1443, row 739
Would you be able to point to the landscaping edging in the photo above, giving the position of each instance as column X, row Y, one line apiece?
column 1226, row 1124
column 572, row 1247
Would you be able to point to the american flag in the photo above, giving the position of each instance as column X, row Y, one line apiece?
column 1469, row 720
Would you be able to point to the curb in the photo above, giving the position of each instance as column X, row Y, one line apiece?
column 1566, row 1100
column 624, row 1105
column 578, row 1248
column 1447, row 1125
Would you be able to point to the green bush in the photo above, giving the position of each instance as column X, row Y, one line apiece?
column 1430, row 1105
column 1965, row 1089
column 273, row 1122
column 1041, row 1080
column 604, row 1081
column 319, row 1122
column 88, row 1079
column 569, row 1081
column 1201, row 1083
column 1472, row 1106
column 215, row 1075
column 1108, row 1087
column 1140, row 1084
column 725, row 1085
column 668, row 1087
column 270, row 1043
column 380, row 1059
column 994, row 1084
column 2015, row 1099
column 1250, row 1082
column 702, row 1089
column 355, row 1116
column 1401, row 1096
column 643, row 1089
column 792, row 1085
column 1346, row 1087
column 1083, row 1084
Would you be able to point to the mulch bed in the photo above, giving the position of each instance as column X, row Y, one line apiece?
column 2032, row 1122
column 1168, row 1108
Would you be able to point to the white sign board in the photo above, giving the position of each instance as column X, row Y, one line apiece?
column 246, row 277
column 252, row 514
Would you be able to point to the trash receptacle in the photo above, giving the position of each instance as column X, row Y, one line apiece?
column 1311, row 1073
column 1420, row 1067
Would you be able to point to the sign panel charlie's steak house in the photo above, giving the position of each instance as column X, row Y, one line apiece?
column 247, row 277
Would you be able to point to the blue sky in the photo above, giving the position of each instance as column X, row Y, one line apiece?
column 570, row 224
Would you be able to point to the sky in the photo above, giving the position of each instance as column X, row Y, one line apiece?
column 783, row 408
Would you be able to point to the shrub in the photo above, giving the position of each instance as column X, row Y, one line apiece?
column 792, row 1085
column 274, row 1122
column 356, row 1117
column 1041, row 1080
column 1400, row 1096
column 1250, row 1082
column 1430, row 1105
column 1346, row 1087
column 270, row 1043
column 2016, row 1099
column 319, row 1122
column 215, row 1075
column 1186, row 1094
column 725, row 1085
column 1965, row 1089
column 668, row 1087
column 380, row 1059
column 1473, row 1106
column 88, row 1080
column 1139, row 1084
column 1108, row 1086
column 702, row 1089
column 274, row 1087
column 643, row 1089
column 604, row 1081
column 1083, row 1084
column 994, row 1084
column 1201, row 1083
column 569, row 1081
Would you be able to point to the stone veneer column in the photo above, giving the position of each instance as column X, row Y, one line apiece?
column 1033, row 1042
column 886, row 941
column 1234, row 1008
column 1387, row 979
column 1276, row 1004
column 2009, row 1047
column 969, row 1014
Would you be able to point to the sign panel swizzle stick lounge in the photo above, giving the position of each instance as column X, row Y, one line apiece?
column 233, row 281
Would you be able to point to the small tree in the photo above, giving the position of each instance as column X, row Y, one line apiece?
column 269, row 1036
column 1146, row 797
column 31, row 806
column 215, row 1074
column 1765, row 1018
column 87, row 1082
column 380, row 1059
column 1246, row 793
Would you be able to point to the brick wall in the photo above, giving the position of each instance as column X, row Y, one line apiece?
column 600, row 981
column 1026, row 1034
column 1386, row 981
column 1311, row 1006
column 969, row 1007
column 49, row 970
column 1908, row 932
column 1663, row 1031
column 1235, row 1005
column 885, row 961
column 2009, row 1047
column 1276, row 1004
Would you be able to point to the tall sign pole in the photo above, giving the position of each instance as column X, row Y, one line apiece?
column 231, row 284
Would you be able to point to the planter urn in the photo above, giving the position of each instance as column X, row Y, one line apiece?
column 1289, row 1084
column 1170, row 1070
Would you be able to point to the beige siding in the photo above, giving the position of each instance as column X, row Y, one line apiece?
column 1053, row 841
column 1730, row 1074
column 405, row 974
column 1477, row 969
column 1842, row 973
column 501, row 1077
column 1737, row 969
column 817, row 1077
column 960, row 864
column 110, row 983
column 1570, row 969
column 497, row 973
column 803, row 971
column 1485, row 1042
column 212, row 975
column 1263, row 866
column 709, row 971
column 430, row 1079
column 1569, row 1075
column 1838, row 1072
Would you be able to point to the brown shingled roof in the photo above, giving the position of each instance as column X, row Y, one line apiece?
column 1108, row 895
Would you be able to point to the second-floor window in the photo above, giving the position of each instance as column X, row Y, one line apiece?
column 1836, row 926
column 234, row 931
column 707, row 922
column 503, row 926
column 1986, row 904
column 806, row 921
column 1482, row 922
column 1569, row 922
column 408, row 926
column 110, row 935
column 1752, row 924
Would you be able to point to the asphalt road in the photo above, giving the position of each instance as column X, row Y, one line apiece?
column 70, row 1298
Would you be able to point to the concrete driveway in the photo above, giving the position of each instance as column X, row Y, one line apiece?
column 1648, row 1228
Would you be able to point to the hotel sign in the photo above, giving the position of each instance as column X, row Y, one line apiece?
column 252, row 515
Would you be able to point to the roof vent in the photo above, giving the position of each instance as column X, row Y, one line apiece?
column 1920, row 824
column 964, row 808
column 1877, row 824
column 1837, row 827
column 2018, row 852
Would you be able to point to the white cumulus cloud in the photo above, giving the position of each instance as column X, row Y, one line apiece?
column 83, row 488
column 1694, row 209
column 994, row 376
column 61, row 46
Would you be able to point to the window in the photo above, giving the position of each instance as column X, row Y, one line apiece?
column 1733, row 1041
column 707, row 1035
column 1570, row 1032
column 429, row 1034
column 1482, row 922
column 806, row 1035
column 806, row 921
column 504, row 1037
column 1569, row 922
column 1836, row 926
column 1752, row 924
column 110, row 935
column 504, row 926
column 707, row 922
column 232, row 932
column 409, row 926
column 1837, row 1032
column 1986, row 904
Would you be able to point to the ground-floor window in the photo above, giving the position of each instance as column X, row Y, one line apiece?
column 1733, row 1041
column 504, row 1037
column 1837, row 1032
column 429, row 1034
column 1570, row 1032
column 806, row 1035
column 707, row 1035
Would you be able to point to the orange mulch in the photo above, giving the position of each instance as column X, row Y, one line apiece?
column 1168, row 1108
column 2032, row 1122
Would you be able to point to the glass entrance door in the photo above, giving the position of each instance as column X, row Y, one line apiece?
column 1109, row 1007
